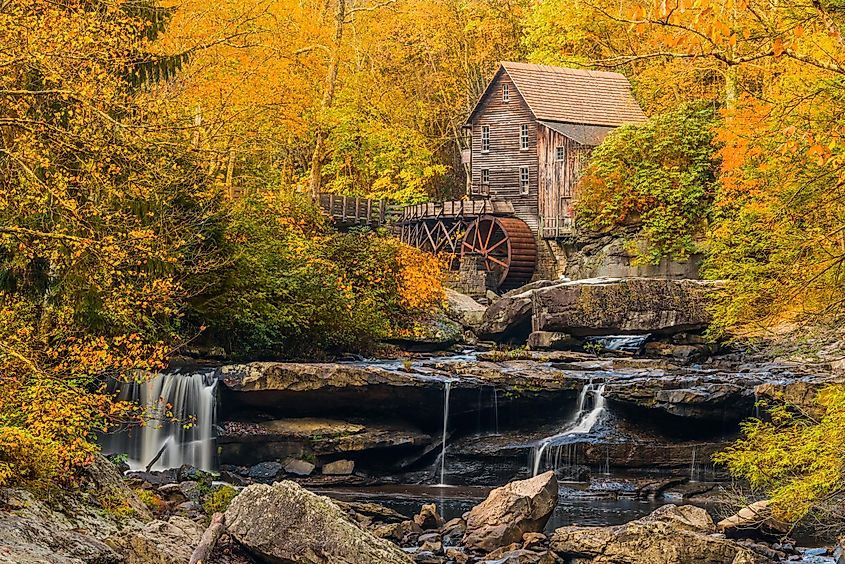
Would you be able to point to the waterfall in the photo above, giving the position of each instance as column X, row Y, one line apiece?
column 496, row 409
column 692, row 467
column 179, row 418
column 447, row 387
column 582, row 424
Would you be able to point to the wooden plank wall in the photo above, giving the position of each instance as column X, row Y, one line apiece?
column 557, row 179
column 505, row 157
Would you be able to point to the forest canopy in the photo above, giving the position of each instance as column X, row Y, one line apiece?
column 157, row 158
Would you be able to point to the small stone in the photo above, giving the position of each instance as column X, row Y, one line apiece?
column 188, row 473
column 265, row 471
column 191, row 491
column 429, row 537
column 432, row 546
column 530, row 540
column 232, row 478
column 298, row 467
column 428, row 517
column 339, row 468
column 457, row 555
column 427, row 557
column 173, row 493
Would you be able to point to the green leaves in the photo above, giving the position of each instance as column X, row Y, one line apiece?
column 659, row 177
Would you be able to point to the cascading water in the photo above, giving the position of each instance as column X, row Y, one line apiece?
column 179, row 418
column 583, row 423
column 447, row 387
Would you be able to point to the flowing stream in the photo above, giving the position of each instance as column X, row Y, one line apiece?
column 584, row 421
column 179, row 414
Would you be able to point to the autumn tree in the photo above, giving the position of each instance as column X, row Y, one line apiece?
column 104, row 212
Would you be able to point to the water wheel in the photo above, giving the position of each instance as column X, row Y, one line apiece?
column 507, row 246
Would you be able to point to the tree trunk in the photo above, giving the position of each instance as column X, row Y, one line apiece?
column 328, row 98
column 209, row 539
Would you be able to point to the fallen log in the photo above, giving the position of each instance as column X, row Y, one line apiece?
column 209, row 539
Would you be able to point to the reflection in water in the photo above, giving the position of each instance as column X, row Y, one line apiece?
column 455, row 501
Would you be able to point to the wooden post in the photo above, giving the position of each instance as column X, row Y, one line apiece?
column 343, row 215
column 331, row 205
column 369, row 210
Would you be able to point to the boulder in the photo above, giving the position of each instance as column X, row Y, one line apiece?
column 618, row 306
column 508, row 318
column 669, row 535
column 158, row 542
column 339, row 468
column 428, row 334
column 428, row 518
column 286, row 523
column 511, row 511
column 464, row 309
column 266, row 471
column 298, row 467
column 550, row 340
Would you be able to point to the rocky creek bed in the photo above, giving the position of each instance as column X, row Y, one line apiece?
column 607, row 424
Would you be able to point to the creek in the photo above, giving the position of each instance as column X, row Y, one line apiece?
column 623, row 434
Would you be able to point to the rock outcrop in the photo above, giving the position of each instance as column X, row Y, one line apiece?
column 250, row 443
column 619, row 306
column 599, row 306
column 40, row 535
column 511, row 511
column 285, row 523
column 670, row 535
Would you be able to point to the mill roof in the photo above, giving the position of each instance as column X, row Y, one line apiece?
column 577, row 96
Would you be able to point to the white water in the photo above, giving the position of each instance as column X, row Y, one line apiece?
column 179, row 416
column 583, row 423
column 447, row 387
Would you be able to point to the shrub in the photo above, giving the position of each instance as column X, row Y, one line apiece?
column 795, row 458
column 294, row 286
column 218, row 500
column 659, row 176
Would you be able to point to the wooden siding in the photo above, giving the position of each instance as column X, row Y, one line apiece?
column 505, row 156
column 557, row 177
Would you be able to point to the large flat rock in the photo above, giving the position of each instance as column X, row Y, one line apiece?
column 607, row 306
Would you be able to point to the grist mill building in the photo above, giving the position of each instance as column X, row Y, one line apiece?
column 532, row 131
column 527, row 141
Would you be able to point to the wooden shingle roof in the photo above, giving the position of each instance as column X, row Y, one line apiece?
column 579, row 96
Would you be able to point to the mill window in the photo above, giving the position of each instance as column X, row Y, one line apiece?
column 523, row 180
column 506, row 93
column 485, row 138
column 485, row 176
column 560, row 153
column 523, row 137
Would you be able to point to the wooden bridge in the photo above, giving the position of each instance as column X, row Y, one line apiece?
column 350, row 211
column 485, row 228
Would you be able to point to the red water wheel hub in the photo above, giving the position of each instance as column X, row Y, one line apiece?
column 507, row 246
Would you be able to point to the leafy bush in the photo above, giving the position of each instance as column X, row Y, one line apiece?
column 795, row 459
column 218, row 500
column 659, row 176
column 294, row 286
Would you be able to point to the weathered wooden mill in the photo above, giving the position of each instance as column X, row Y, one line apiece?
column 526, row 143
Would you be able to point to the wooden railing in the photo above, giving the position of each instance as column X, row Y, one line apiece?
column 350, row 210
column 556, row 227
column 456, row 208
